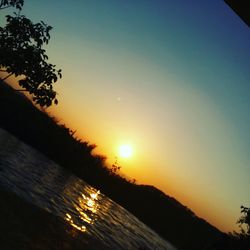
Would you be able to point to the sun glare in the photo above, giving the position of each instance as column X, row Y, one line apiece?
column 125, row 151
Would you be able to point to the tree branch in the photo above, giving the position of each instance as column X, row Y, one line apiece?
column 6, row 77
column 21, row 90
column 2, row 8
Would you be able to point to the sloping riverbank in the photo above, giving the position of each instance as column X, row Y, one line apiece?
column 164, row 214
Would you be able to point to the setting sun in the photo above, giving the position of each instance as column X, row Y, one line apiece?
column 125, row 151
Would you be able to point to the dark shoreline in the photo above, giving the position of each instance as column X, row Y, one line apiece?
column 165, row 215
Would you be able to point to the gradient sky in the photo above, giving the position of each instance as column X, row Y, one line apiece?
column 170, row 78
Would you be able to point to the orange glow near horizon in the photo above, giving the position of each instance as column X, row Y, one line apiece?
column 141, row 167
column 143, row 170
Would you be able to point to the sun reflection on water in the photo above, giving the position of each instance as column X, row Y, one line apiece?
column 86, row 209
column 71, row 222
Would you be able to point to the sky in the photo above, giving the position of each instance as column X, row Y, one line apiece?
column 169, row 78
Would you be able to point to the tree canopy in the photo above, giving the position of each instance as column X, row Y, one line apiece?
column 22, row 55
column 4, row 4
column 244, row 221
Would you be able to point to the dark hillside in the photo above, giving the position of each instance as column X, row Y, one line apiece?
column 164, row 214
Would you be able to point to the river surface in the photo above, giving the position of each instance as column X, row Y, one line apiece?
column 38, row 180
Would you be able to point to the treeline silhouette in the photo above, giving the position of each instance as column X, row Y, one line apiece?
column 169, row 218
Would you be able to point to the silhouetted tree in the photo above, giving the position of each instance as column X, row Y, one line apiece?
column 4, row 4
column 115, row 167
column 22, row 54
column 244, row 221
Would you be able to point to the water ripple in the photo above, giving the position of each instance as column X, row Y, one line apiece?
column 40, row 181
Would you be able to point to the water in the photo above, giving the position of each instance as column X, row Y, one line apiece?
column 38, row 180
